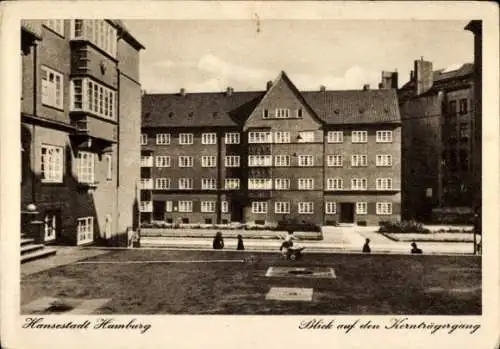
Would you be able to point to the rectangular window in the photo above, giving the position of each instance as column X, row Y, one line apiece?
column 163, row 138
column 265, row 114
column 335, row 183
column 299, row 113
column 185, row 206
column 232, row 138
column 185, row 161
column 260, row 137
column 359, row 160
column 52, row 87
column 359, row 136
column 232, row 161
column 260, row 184
column 361, row 208
column 384, row 183
column 464, row 131
column 209, row 161
column 359, row 184
column 282, row 137
column 260, row 160
column 336, row 160
column 281, row 160
column 185, row 138
column 146, row 161
column 224, row 206
column 306, row 207
column 169, row 207
column 109, row 166
column 384, row 160
column 259, row 207
column 306, row 183
column 281, row 183
column 232, row 183
column 282, row 207
column 162, row 161
column 463, row 106
column 99, row 32
column 56, row 25
column 335, row 137
column 384, row 137
column 282, row 113
column 90, row 96
column 208, row 183
column 306, row 160
column 144, row 139
column 185, row 183
column 85, row 230
column 85, row 167
column 208, row 138
column 330, row 207
column 162, row 183
column 306, row 137
column 452, row 108
column 384, row 208
column 208, row 206
column 52, row 163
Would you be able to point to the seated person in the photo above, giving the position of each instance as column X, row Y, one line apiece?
column 415, row 249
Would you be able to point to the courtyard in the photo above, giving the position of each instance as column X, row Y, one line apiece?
column 160, row 281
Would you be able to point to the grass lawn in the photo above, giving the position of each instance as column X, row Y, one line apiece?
column 432, row 237
column 364, row 284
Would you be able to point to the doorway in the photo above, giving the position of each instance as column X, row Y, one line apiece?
column 51, row 223
column 159, row 210
column 346, row 212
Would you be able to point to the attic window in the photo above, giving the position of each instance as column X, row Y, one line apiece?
column 171, row 114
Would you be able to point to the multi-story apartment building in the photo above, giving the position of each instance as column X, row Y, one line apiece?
column 80, row 129
column 437, row 111
column 320, row 156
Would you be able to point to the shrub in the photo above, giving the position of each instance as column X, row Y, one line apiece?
column 362, row 223
column 402, row 227
column 295, row 225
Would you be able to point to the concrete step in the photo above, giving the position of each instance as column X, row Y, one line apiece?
column 28, row 248
column 26, row 241
column 42, row 253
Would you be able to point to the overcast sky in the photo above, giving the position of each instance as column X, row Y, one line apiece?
column 209, row 55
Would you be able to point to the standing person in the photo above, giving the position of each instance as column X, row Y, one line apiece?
column 289, row 238
column 218, row 243
column 415, row 249
column 366, row 246
column 240, row 246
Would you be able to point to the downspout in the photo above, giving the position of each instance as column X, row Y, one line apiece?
column 218, row 211
column 117, row 136
column 35, row 100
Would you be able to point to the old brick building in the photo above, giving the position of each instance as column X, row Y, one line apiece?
column 437, row 111
column 80, row 129
column 320, row 156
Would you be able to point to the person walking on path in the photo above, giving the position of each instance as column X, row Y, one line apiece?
column 366, row 246
column 240, row 245
column 218, row 243
column 415, row 249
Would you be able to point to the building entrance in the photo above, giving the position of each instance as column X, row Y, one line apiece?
column 346, row 212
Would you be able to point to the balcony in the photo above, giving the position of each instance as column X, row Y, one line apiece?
column 146, row 183
column 146, row 161
column 146, row 206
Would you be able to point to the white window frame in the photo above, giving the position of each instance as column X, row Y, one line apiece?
column 186, row 138
column 335, row 137
column 232, row 138
column 52, row 87
column 232, row 161
column 281, row 137
column 260, row 207
column 305, row 183
column 384, row 160
column 362, row 207
column 232, row 183
column 260, row 160
column 306, row 160
column 307, row 137
column 52, row 163
column 384, row 208
column 306, row 207
column 209, row 161
column 56, row 25
column 384, row 184
column 84, row 230
column 186, row 183
column 260, row 183
column 185, row 161
column 334, row 183
column 224, row 206
column 169, row 206
column 85, row 166
column 209, row 183
column 282, row 113
column 209, row 138
column 98, row 31
column 282, row 183
column 258, row 137
column 144, row 139
column 93, row 97
column 359, row 160
column 109, row 166
column 360, row 183
column 162, row 138
column 359, row 136
column 185, row 206
column 282, row 160
column 330, row 207
column 147, row 160
column 335, row 160
column 384, row 136
column 163, row 161
column 282, row 207
column 163, row 183
column 207, row 206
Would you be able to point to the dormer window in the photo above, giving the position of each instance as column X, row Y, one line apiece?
column 282, row 113
column 299, row 112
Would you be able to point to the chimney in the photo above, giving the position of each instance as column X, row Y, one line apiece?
column 182, row 91
column 229, row 91
column 423, row 75
column 268, row 85
column 389, row 80
column 366, row 87
column 322, row 88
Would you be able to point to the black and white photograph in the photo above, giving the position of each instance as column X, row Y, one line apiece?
column 327, row 171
